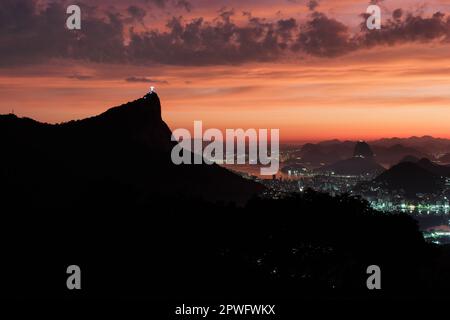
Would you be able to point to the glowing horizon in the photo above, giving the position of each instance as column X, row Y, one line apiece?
column 396, row 90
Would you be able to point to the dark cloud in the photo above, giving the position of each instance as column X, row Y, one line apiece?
column 185, row 4
column 158, row 3
column 203, row 42
column 324, row 37
column 397, row 14
column 79, row 77
column 137, row 14
column 29, row 35
column 312, row 4
column 286, row 29
column 408, row 28
column 145, row 79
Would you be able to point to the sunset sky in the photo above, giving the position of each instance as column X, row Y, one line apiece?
column 307, row 68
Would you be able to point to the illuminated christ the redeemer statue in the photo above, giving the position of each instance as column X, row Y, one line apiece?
column 152, row 90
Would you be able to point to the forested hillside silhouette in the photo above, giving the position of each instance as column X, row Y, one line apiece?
column 102, row 193
column 306, row 245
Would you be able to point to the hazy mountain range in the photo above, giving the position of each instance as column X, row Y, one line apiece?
column 414, row 176
column 387, row 152
column 362, row 162
column 425, row 144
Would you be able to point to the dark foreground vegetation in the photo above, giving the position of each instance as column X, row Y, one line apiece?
column 309, row 245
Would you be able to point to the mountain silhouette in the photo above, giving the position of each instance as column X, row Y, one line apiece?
column 425, row 144
column 427, row 164
column 328, row 152
column 325, row 152
column 393, row 154
column 410, row 177
column 124, row 151
column 362, row 150
column 362, row 163
column 434, row 167
column 445, row 158
column 410, row 158
column 315, row 155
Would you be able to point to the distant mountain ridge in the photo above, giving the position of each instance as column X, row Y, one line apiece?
column 426, row 144
column 445, row 158
column 363, row 150
column 328, row 152
column 362, row 163
column 439, row 170
column 412, row 178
